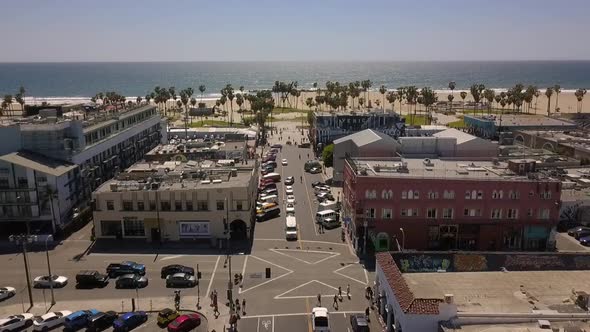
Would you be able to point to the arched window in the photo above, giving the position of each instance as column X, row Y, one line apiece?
column 390, row 196
column 374, row 194
column 474, row 194
column 384, row 194
column 410, row 194
column 367, row 194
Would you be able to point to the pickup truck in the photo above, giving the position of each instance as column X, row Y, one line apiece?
column 127, row 267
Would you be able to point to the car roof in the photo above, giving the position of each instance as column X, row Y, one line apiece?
column 320, row 311
column 166, row 311
column 127, row 276
column 129, row 315
column 179, row 274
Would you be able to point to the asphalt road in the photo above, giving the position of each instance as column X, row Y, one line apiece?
column 300, row 270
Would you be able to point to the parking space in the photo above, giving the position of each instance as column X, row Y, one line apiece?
column 152, row 325
column 297, row 322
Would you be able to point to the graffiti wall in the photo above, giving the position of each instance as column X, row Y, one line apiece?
column 409, row 262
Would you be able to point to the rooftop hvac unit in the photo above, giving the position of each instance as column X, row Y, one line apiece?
column 154, row 185
column 205, row 181
column 217, row 181
column 114, row 187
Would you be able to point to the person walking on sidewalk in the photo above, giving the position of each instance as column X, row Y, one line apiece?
column 335, row 304
column 340, row 293
column 319, row 300
column 348, row 291
column 244, row 307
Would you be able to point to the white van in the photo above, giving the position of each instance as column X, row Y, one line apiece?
column 291, row 228
column 276, row 177
column 268, row 199
column 328, row 205
column 321, row 215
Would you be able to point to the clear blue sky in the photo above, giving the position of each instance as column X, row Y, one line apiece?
column 193, row 30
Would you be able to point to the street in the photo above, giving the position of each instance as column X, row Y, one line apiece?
column 299, row 270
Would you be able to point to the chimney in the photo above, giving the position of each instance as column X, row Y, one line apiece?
column 449, row 299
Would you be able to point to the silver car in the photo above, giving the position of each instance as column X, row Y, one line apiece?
column 181, row 280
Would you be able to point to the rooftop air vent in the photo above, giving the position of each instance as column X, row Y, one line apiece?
column 205, row 181
column 217, row 181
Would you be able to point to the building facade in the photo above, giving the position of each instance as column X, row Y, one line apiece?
column 434, row 204
column 178, row 201
column 95, row 146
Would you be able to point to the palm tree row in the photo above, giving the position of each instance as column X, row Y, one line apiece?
column 7, row 101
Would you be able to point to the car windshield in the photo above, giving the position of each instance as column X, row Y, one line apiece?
column 321, row 321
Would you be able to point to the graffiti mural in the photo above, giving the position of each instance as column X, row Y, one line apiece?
column 424, row 263
column 470, row 263
column 533, row 262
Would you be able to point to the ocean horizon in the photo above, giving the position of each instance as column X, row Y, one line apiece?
column 67, row 80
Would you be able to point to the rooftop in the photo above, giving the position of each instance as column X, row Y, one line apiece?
column 529, row 120
column 38, row 163
column 365, row 137
column 177, row 175
column 434, row 168
column 355, row 112
column 196, row 145
column 577, row 139
column 461, row 136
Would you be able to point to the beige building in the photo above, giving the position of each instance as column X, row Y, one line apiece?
column 176, row 201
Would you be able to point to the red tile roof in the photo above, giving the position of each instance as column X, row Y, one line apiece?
column 403, row 294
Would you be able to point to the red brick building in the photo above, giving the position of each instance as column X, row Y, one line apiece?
column 427, row 204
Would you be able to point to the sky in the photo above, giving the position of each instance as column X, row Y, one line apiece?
column 302, row 30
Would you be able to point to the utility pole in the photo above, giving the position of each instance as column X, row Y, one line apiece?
column 24, row 239
column 49, row 269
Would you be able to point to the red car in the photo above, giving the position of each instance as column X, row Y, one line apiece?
column 184, row 323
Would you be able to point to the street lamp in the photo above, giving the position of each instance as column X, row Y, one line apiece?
column 24, row 239
column 403, row 238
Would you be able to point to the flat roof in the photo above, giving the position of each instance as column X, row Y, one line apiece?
column 508, row 120
column 39, row 163
column 461, row 136
column 503, row 292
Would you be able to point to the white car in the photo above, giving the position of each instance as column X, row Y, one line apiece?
column 7, row 292
column 16, row 322
column 291, row 199
column 320, row 319
column 289, row 190
column 45, row 281
column 290, row 208
column 284, row 162
column 50, row 320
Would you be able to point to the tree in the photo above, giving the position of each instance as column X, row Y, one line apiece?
column 366, row 85
column 429, row 98
column 549, row 93
column 229, row 92
column 8, row 103
column 202, row 89
column 557, row 90
column 48, row 197
column 309, row 102
column 452, row 86
column 476, row 93
column 411, row 99
column 193, row 103
column 580, row 93
column 450, row 99
column 20, row 98
column 239, row 101
column 391, row 98
column 489, row 95
column 463, row 95
column 383, row 90
column 138, row 100
column 172, row 94
column 328, row 155
column 148, row 97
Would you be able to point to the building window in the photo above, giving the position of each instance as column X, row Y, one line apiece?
column 387, row 194
column 127, row 206
column 472, row 212
column 512, row 214
column 4, row 183
column 140, row 206
column 433, row 233
column 177, row 206
column 23, row 182
column 495, row 195
column 431, row 213
column 165, row 206
column 133, row 227
column 189, row 205
column 447, row 213
column 202, row 206
column 449, row 194
column 467, row 194
column 410, row 194
column 404, row 194
column 480, row 194
column 529, row 213
column 370, row 213
column 416, row 194
column 409, row 212
column 545, row 195
column 152, row 206
column 239, row 205
column 544, row 214
column 371, row 194
column 386, row 214
column 531, row 193
column 110, row 205
column 110, row 227
column 367, row 194
column 513, row 194
column 433, row 195
column 496, row 213
column 220, row 205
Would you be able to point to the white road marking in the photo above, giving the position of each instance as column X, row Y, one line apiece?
column 349, row 277
column 212, row 276
column 273, row 323
column 282, row 297
column 257, row 324
column 310, row 241
column 299, row 314
column 310, row 206
column 244, row 267
column 366, row 275
column 330, row 254
column 241, row 291
column 171, row 257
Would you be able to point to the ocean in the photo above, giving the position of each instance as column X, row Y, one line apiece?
column 71, row 80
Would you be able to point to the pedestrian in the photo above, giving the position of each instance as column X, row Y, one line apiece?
column 367, row 290
column 238, row 309
column 348, row 291
column 335, row 304
column 215, row 310
column 340, row 293
column 319, row 300
column 244, row 307
column 367, row 312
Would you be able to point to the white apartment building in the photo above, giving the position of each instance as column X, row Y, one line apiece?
column 178, row 201
column 71, row 155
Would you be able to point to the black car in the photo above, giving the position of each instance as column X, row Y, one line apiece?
column 101, row 321
column 317, row 183
column 131, row 281
column 574, row 231
column 289, row 180
column 117, row 269
column 90, row 279
column 176, row 268
column 359, row 323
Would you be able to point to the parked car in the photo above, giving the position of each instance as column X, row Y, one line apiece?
column 582, row 233
column 47, row 281
column 289, row 180
column 317, row 183
column 270, row 163
column 16, row 322
column 576, row 230
column 50, row 320
column 320, row 319
column 315, row 170
column 131, row 281
column 359, row 323
column 321, row 189
column 585, row 240
column 165, row 316
column 325, row 196
column 274, row 150
column 127, row 267
column 265, row 171
column 101, row 321
column 78, row 319
column 7, row 292
column 291, row 199
column 129, row 321
column 290, row 208
column 269, row 191
column 289, row 190
column 185, row 323
column 284, row 162
column 176, row 268
column 181, row 280
column 90, row 278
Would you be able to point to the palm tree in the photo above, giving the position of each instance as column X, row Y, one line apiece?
column 537, row 94
column 401, row 93
column 48, row 197
column 309, row 102
column 411, row 99
column 193, row 104
column 463, row 95
column 8, row 102
column 429, row 98
column 580, row 93
column 549, row 93
column 503, row 104
column 229, row 91
column 383, row 90
column 20, row 98
column 476, row 93
column 202, row 90
column 391, row 98
column 489, row 95
column 450, row 98
column 452, row 86
column 557, row 90
column 366, row 85
column 147, row 98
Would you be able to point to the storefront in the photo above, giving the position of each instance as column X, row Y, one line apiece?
column 194, row 229
column 129, row 227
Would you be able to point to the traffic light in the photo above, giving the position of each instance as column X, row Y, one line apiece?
column 199, row 275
